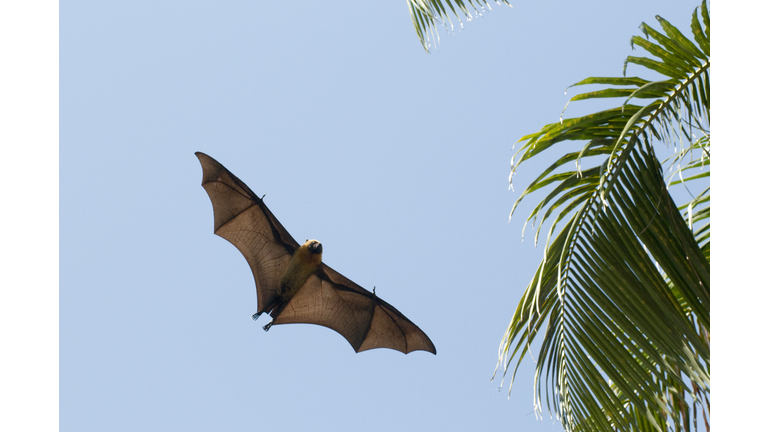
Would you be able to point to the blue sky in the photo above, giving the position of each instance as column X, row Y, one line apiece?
column 395, row 159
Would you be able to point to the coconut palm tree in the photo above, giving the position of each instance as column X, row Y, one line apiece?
column 622, row 293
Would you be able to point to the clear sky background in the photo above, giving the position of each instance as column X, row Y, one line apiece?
column 395, row 159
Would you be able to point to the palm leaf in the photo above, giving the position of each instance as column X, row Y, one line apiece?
column 623, row 290
column 428, row 14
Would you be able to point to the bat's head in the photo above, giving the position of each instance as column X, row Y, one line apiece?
column 314, row 247
column 310, row 253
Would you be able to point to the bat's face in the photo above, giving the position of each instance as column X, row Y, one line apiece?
column 314, row 247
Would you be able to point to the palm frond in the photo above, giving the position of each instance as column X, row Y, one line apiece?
column 623, row 290
column 428, row 14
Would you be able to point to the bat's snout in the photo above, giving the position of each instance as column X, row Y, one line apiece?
column 315, row 246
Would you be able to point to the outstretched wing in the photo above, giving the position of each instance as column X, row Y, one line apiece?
column 366, row 321
column 242, row 218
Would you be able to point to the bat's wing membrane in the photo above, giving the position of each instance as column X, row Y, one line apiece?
column 366, row 321
column 244, row 220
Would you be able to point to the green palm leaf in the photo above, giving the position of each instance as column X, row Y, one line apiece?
column 428, row 14
column 623, row 290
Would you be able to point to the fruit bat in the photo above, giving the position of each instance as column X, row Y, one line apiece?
column 293, row 285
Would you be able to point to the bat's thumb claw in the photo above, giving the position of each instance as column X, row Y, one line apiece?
column 266, row 327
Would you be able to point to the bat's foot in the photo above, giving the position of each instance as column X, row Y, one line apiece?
column 267, row 327
column 256, row 316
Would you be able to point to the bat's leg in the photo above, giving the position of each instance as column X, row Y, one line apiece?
column 256, row 316
column 266, row 327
